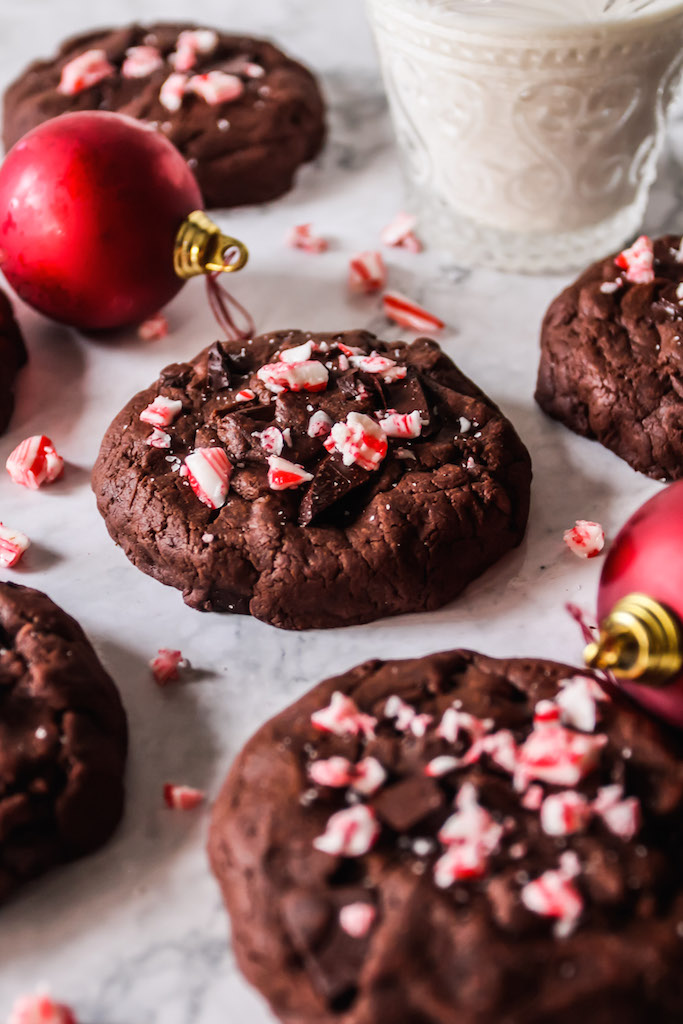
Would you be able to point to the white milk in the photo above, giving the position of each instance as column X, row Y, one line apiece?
column 529, row 129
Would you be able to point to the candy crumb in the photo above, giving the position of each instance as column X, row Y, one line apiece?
column 154, row 328
column 182, row 798
column 586, row 539
column 166, row 665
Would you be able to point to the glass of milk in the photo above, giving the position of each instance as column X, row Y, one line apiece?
column 529, row 130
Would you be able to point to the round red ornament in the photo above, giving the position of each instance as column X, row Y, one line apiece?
column 100, row 221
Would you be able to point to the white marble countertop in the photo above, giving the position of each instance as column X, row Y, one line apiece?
column 136, row 934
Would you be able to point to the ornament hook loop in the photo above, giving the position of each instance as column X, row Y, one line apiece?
column 640, row 639
column 202, row 248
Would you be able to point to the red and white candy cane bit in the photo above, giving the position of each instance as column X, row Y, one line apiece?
column 349, row 833
column 360, row 441
column 342, row 717
column 622, row 816
column 271, row 440
column 546, row 713
column 297, row 354
column 252, row 70
column 216, row 87
column 386, row 368
column 192, row 42
column 585, row 539
column 349, row 350
column 40, row 1009
column 356, row 919
column 283, row 474
column 165, row 666
column 182, row 798
column 471, row 824
column 245, row 395
column 404, row 311
column 319, row 424
column 162, row 411
column 368, row 776
column 442, row 765
column 84, row 71
column 638, row 261
column 309, row 375
column 13, row 544
column 533, row 798
column 460, row 864
column 578, row 702
column 564, row 814
column 301, row 237
column 402, row 424
column 557, row 756
column 159, row 439
column 401, row 232
column 453, row 721
column 555, row 895
column 335, row 772
column 35, row 462
column 367, row 273
column 141, row 61
column 208, row 473
column 172, row 92
column 406, row 718
column 154, row 328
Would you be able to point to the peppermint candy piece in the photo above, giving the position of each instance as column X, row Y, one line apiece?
column 40, row 1009
column 442, row 765
column 192, row 42
column 621, row 816
column 162, row 411
column 366, row 777
column 564, row 814
column 84, row 71
column 460, row 864
column 577, row 701
column 283, row 474
column 165, row 666
column 360, row 441
column 404, row 311
column 301, row 237
column 208, row 473
column 638, row 261
column 556, row 755
column 533, row 798
column 159, row 439
column 356, row 919
column 154, row 328
column 319, row 424
column 141, row 61
column 172, row 92
column 297, row 354
column 35, row 462
column 216, row 87
column 401, row 232
column 12, row 546
column 271, row 440
column 245, row 395
column 585, row 539
column 555, row 895
column 388, row 369
column 342, row 717
column 402, row 424
column 454, row 721
column 309, row 375
column 182, row 798
column 406, row 717
column 367, row 273
column 349, row 833
column 471, row 824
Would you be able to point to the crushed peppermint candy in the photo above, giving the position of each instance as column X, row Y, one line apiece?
column 585, row 539
column 319, row 424
column 245, row 395
column 533, row 798
column 182, row 798
column 454, row 720
column 172, row 91
column 165, row 666
column 638, row 261
column 154, row 328
column 553, row 754
column 622, row 816
column 208, row 473
column 141, row 61
column 349, row 833
column 297, row 354
column 283, row 474
column 13, row 544
column 577, row 701
column 397, row 424
column 401, row 232
column 471, row 835
column 216, row 87
column 366, row 777
column 555, row 895
column 162, row 411
column 367, row 273
column 40, row 1009
column 84, row 71
column 35, row 462
column 442, row 765
column 308, row 375
column 404, row 311
column 609, row 287
column 342, row 717
column 192, row 42
column 388, row 369
column 301, row 237
column 159, row 439
column 563, row 814
column 271, row 440
column 360, row 441
column 406, row 718
column 356, row 919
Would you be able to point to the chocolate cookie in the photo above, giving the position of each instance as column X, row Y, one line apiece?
column 314, row 480
column 13, row 357
column 457, row 840
column 243, row 114
column 612, row 356
column 63, row 740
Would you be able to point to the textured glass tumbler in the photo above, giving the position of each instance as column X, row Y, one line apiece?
column 529, row 130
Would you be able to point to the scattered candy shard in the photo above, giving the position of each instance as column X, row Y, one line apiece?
column 402, row 424
column 356, row 919
column 638, row 261
column 367, row 273
column 271, row 440
column 556, row 755
column 401, row 232
column 471, row 835
column 404, row 311
column 141, row 61
column 342, row 717
column 192, row 42
column 301, row 237
column 298, row 353
column 349, row 833
column 622, row 816
column 162, row 411
column 360, row 441
column 208, row 472
column 159, row 439
column 182, row 798
column 578, row 702
column 165, row 666
column 406, row 718
column 309, row 375
column 245, row 395
column 319, row 424
column 13, row 544
column 585, row 539
column 283, row 474
column 35, row 462
column 154, row 328
column 216, row 87
column 172, row 92
column 555, row 895
column 84, row 71
column 388, row 369
column 40, row 1009
column 564, row 814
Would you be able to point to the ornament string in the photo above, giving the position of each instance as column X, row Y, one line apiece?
column 234, row 320
column 589, row 631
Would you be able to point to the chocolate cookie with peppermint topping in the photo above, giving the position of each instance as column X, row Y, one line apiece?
column 13, row 356
column 457, row 839
column 63, row 739
column 314, row 480
column 612, row 356
column 243, row 114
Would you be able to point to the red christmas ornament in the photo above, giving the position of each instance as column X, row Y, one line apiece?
column 100, row 221
column 640, row 607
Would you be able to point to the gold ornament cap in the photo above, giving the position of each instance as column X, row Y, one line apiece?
column 640, row 639
column 202, row 248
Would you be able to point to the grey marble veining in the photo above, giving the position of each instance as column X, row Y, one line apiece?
column 136, row 934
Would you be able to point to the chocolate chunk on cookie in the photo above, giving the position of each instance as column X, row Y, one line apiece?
column 612, row 356
column 243, row 114
column 63, row 739
column 457, row 839
column 278, row 477
column 13, row 357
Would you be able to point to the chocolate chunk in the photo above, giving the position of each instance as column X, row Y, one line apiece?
column 407, row 395
column 237, row 431
column 218, row 367
column 332, row 482
column 407, row 803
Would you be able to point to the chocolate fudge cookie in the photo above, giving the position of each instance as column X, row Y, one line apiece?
column 13, row 357
column 612, row 356
column 314, row 480
column 243, row 114
column 63, row 740
column 457, row 840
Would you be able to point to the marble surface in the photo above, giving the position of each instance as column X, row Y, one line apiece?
column 136, row 934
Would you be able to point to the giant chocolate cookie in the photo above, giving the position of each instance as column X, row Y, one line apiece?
column 62, row 740
column 457, row 840
column 612, row 357
column 314, row 480
column 243, row 114
column 12, row 358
